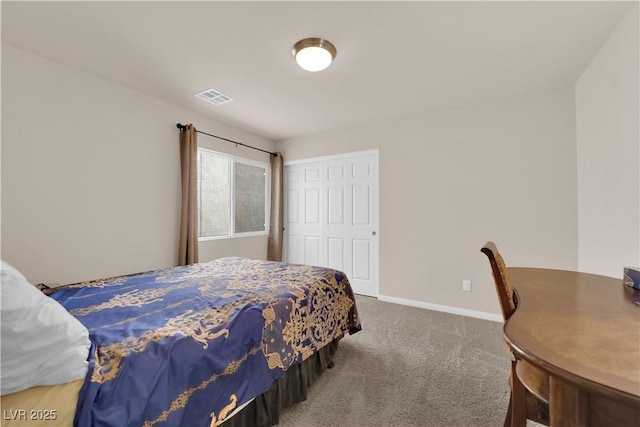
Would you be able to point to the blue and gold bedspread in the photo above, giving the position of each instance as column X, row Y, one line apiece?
column 186, row 346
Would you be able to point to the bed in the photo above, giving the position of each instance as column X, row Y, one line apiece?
column 228, row 342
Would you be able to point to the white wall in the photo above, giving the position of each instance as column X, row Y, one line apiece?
column 452, row 179
column 90, row 179
column 608, row 141
column 90, row 174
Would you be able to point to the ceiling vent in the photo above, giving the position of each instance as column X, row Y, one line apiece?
column 214, row 97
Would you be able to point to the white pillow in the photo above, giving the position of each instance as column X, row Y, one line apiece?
column 42, row 344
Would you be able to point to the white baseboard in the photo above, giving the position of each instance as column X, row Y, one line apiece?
column 444, row 308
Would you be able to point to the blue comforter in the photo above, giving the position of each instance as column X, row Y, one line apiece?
column 187, row 346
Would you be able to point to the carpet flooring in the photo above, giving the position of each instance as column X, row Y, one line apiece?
column 410, row 367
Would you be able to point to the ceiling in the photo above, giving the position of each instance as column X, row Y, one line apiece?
column 394, row 58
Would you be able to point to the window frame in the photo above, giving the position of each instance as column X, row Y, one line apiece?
column 232, row 219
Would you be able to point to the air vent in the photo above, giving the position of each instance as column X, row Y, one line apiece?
column 214, row 97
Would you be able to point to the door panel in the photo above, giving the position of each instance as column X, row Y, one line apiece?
column 312, row 250
column 335, row 253
column 361, row 259
column 312, row 206
column 335, row 205
column 331, row 209
column 292, row 206
column 335, row 172
column 361, row 169
column 294, row 250
column 361, row 204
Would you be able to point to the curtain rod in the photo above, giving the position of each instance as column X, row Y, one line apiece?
column 183, row 127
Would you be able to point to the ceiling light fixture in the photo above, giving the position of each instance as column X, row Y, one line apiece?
column 314, row 54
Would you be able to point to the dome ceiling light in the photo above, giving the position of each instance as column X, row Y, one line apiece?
column 314, row 54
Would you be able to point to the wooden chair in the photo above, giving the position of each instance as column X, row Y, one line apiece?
column 529, row 386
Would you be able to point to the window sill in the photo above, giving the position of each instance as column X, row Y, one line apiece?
column 235, row 236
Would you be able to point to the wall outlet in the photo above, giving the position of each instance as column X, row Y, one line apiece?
column 466, row 285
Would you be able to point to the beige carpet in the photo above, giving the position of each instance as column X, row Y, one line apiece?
column 411, row 367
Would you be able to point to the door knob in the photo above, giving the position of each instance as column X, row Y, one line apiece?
column 373, row 233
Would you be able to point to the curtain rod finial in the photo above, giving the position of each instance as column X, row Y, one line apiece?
column 180, row 126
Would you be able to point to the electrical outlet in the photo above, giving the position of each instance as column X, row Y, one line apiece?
column 466, row 285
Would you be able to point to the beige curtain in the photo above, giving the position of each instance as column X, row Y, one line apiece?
column 274, row 248
column 188, row 250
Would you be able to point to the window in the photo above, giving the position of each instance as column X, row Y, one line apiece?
column 232, row 195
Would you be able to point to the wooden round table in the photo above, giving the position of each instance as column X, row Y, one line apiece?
column 584, row 331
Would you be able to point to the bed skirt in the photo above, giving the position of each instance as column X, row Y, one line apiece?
column 264, row 410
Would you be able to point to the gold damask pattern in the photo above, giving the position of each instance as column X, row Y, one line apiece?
column 183, row 398
column 281, row 313
column 202, row 326
column 308, row 321
column 216, row 421
column 134, row 298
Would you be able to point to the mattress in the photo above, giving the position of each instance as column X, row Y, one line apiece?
column 42, row 406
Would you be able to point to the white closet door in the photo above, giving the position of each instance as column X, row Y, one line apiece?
column 331, row 216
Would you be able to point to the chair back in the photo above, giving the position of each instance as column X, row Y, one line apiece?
column 508, row 299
